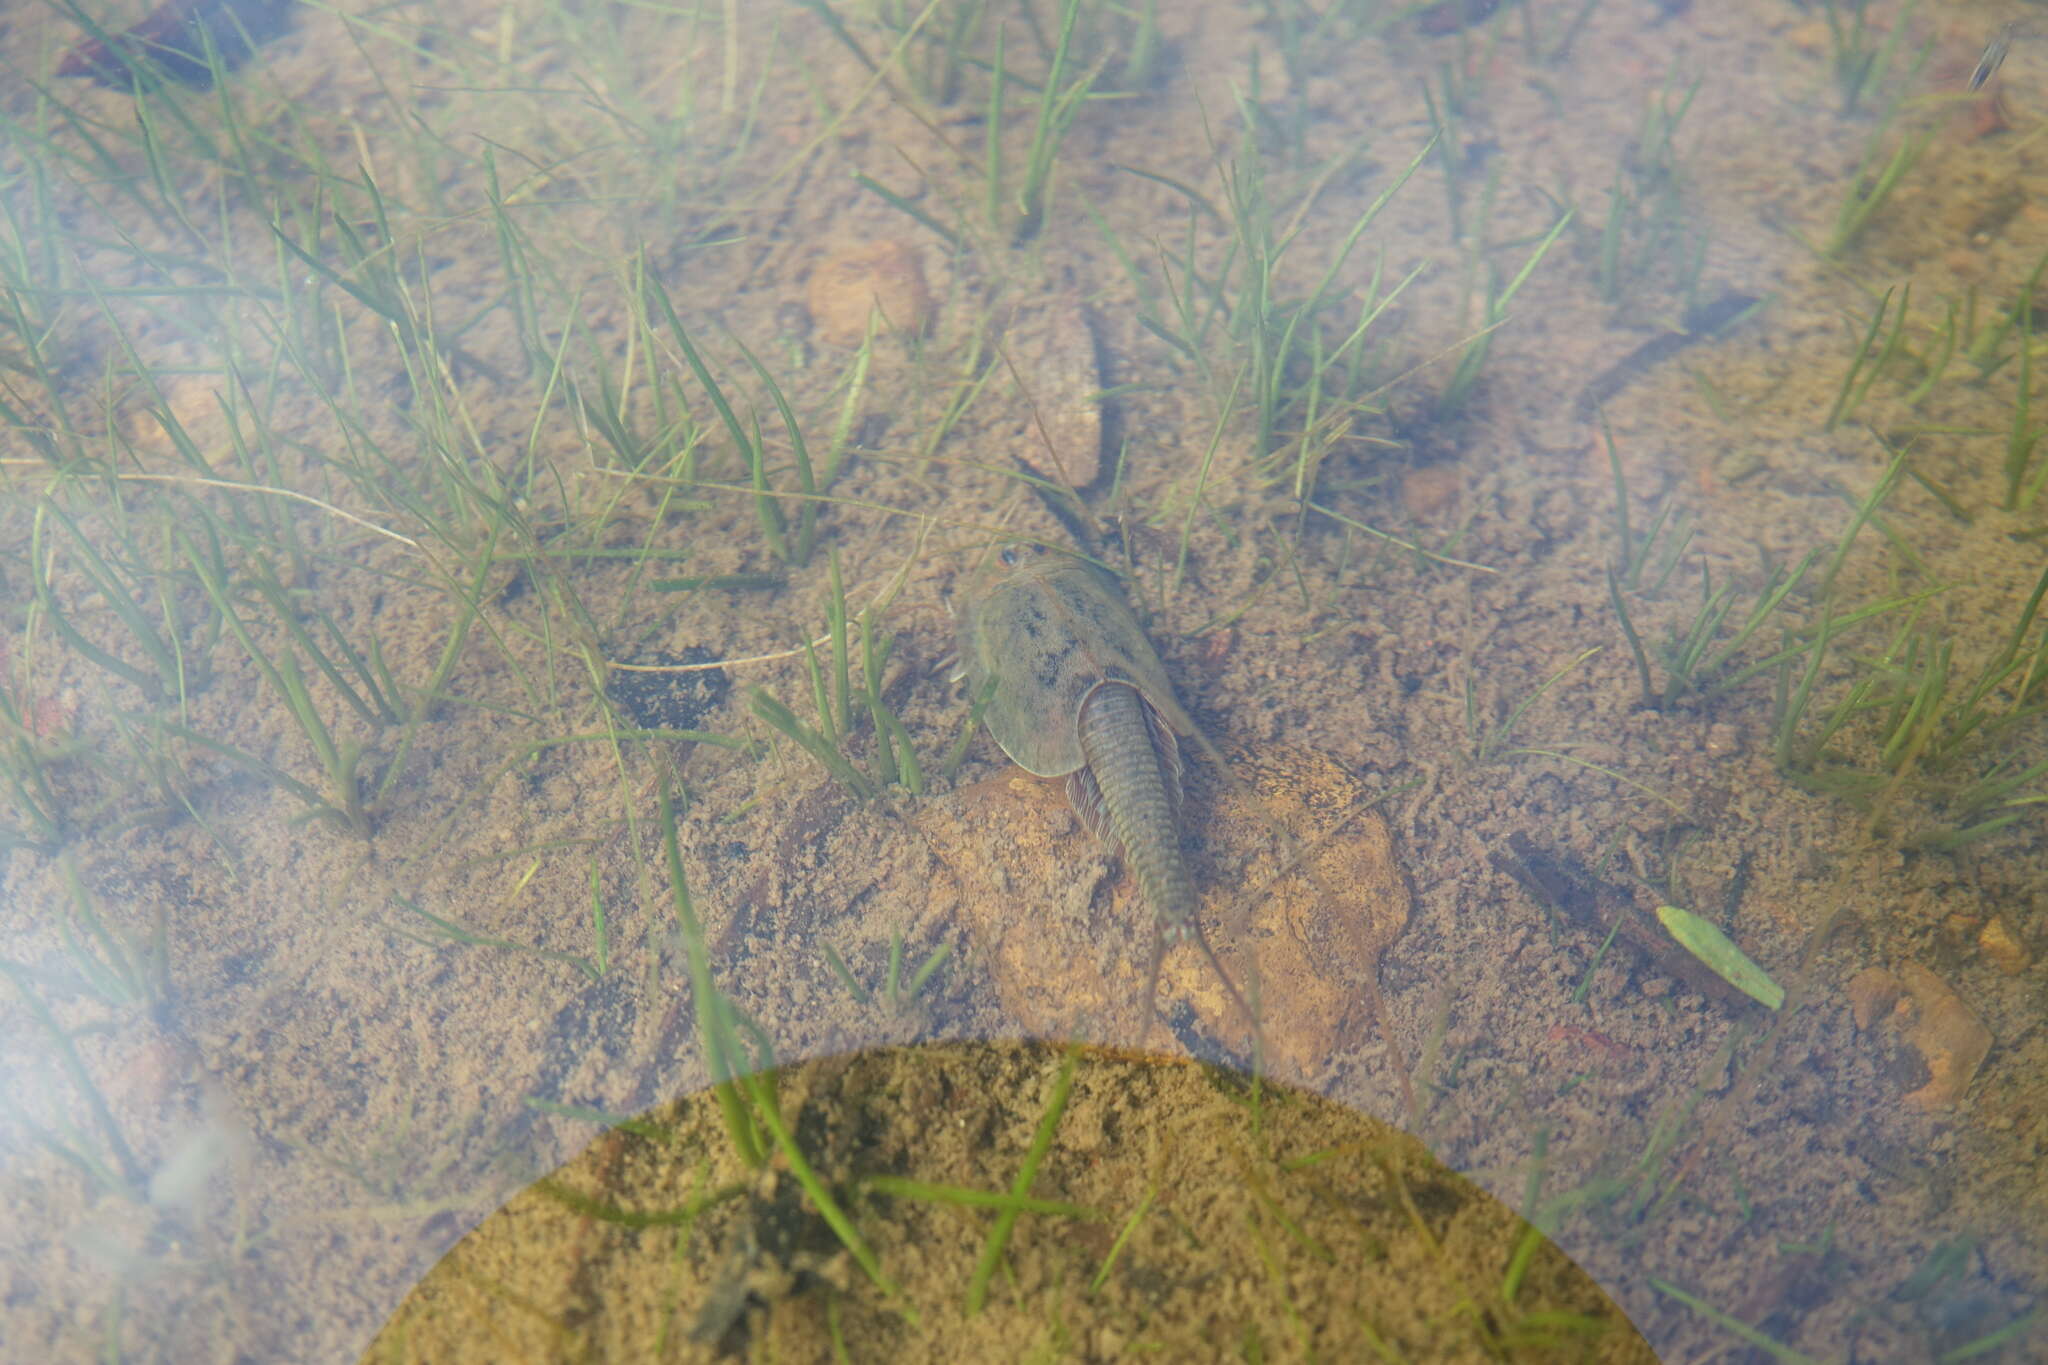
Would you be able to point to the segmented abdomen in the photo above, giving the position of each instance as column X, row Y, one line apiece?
column 1130, row 793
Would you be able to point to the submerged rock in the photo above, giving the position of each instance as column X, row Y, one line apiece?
column 1069, row 959
column 882, row 277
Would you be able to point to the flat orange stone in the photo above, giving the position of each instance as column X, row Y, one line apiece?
column 1069, row 943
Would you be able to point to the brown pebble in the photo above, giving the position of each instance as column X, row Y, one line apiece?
column 1215, row 647
column 1872, row 992
column 1063, row 966
column 1052, row 348
column 2003, row 946
column 1429, row 492
column 1948, row 1036
column 880, row 277
column 1723, row 740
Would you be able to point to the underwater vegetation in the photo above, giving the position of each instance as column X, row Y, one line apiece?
column 490, row 494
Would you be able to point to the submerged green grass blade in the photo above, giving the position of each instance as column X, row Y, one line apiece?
column 720, row 1049
column 1020, row 1188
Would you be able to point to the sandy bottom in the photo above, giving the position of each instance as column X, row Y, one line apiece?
column 259, row 1073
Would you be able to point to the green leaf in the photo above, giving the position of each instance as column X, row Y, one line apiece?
column 1719, row 952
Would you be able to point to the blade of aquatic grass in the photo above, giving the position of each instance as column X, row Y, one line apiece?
column 2024, row 435
column 835, row 627
column 1490, row 745
column 374, row 701
column 1187, row 528
column 1688, row 661
column 449, row 931
column 339, row 760
column 168, row 679
column 1735, row 1326
column 849, row 409
column 768, row 510
column 144, row 738
column 1869, row 191
column 839, row 969
column 894, row 972
column 821, row 696
column 902, row 1187
column 926, row 970
column 1524, row 1255
column 378, row 301
column 582, row 1204
column 1792, row 703
column 1056, row 110
column 1418, row 551
column 1473, row 358
column 516, row 264
column 428, row 697
column 873, row 657
column 132, row 1180
column 651, row 287
column 910, row 771
column 910, row 210
column 714, row 1033
column 1879, row 493
column 807, row 518
column 318, row 804
column 24, row 767
column 1992, row 1340
column 779, row 717
column 1848, row 396
column 1123, row 1235
column 1628, row 630
column 1020, row 1188
column 1985, row 345
column 121, row 971
column 993, row 129
column 1800, row 637
column 958, row 752
column 820, row 1197
column 1971, row 713
column 1858, row 69
column 974, row 375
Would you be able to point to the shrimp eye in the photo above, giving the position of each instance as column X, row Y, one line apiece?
column 1009, row 556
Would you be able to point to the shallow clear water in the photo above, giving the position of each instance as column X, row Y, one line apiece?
column 1571, row 459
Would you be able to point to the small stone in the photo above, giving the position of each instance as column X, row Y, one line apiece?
column 2003, row 946
column 1872, row 992
column 1052, row 347
column 1215, row 647
column 1087, row 974
column 1737, row 465
column 1809, row 38
column 1428, row 493
column 191, row 404
column 1948, row 1036
column 882, row 277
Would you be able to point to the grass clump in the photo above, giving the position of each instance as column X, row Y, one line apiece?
column 1649, row 231
column 893, row 759
column 1307, row 379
